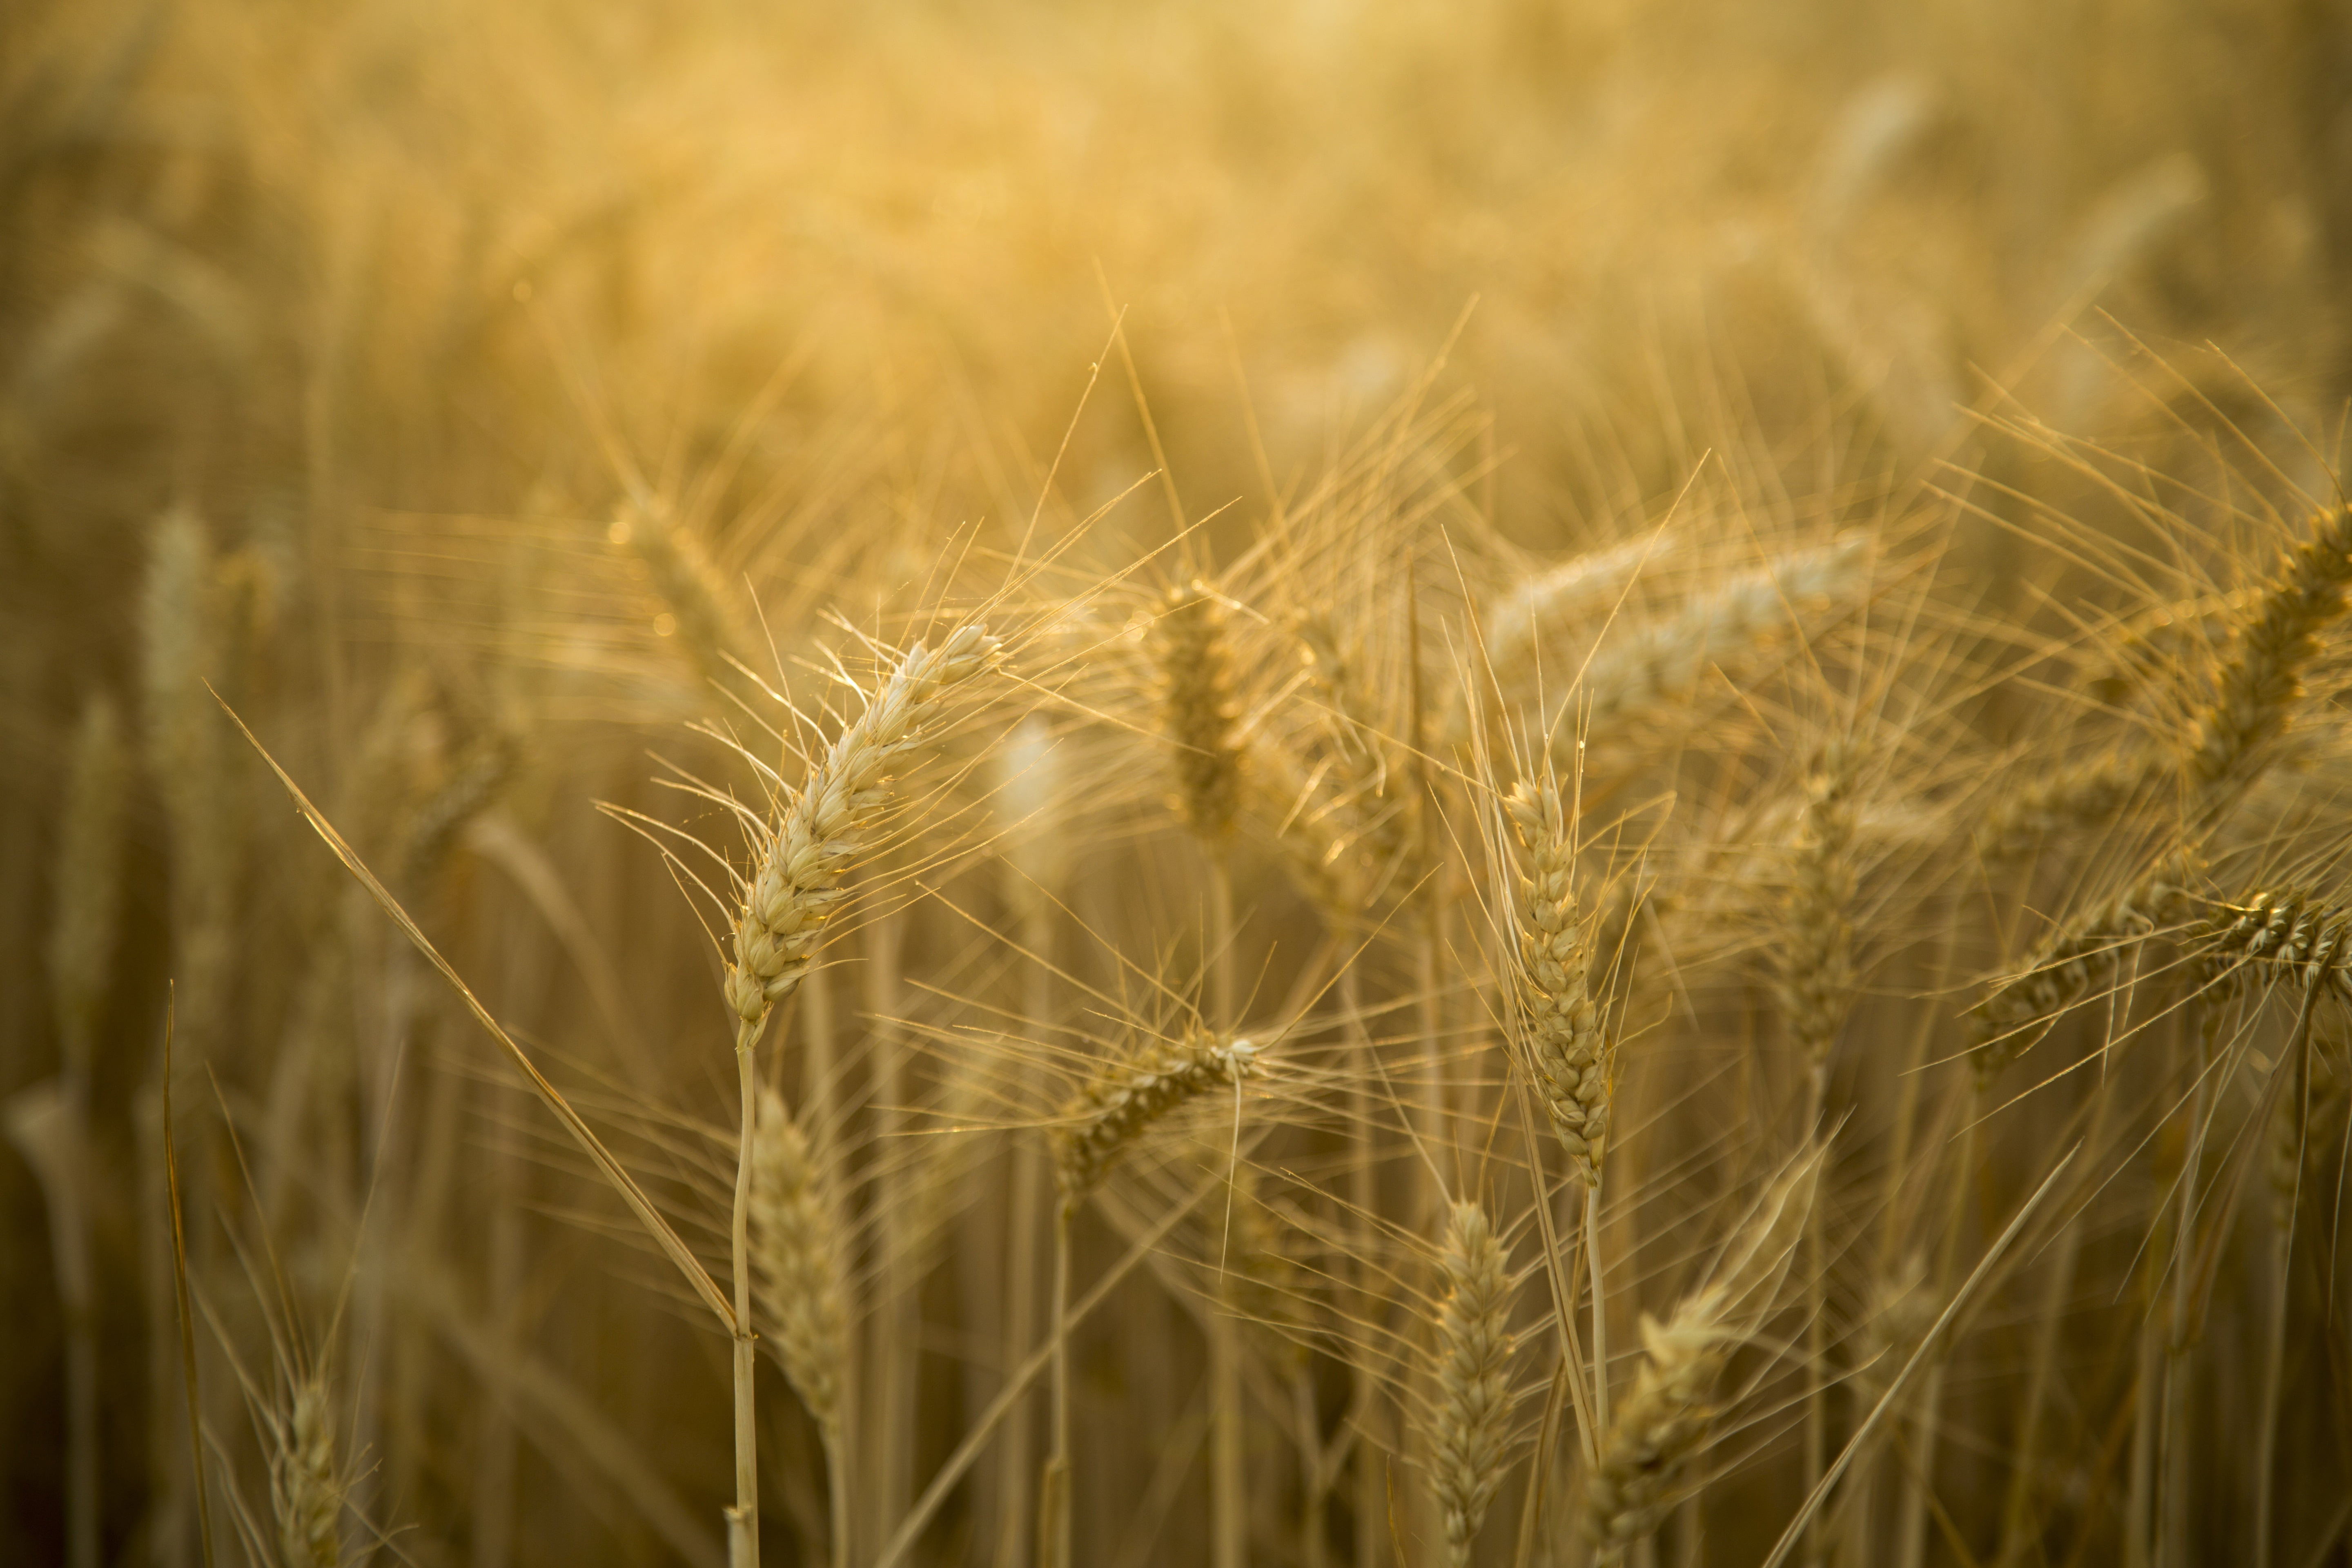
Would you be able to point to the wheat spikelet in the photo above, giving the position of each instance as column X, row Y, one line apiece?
column 795, row 882
column 305, row 1496
column 1115, row 1106
column 1817, row 959
column 1471, row 1430
column 1197, row 706
column 1563, row 1032
column 1665, row 1422
column 797, row 1265
column 2259, row 684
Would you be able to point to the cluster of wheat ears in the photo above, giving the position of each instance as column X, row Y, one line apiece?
column 1715, row 1048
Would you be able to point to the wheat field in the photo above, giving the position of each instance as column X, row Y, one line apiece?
column 1076, row 786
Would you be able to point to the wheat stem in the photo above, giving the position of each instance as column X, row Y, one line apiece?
column 1600, row 1308
column 1053, row 1490
column 743, row 1519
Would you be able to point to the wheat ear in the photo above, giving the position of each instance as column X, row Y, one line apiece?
column 1471, row 1433
column 1561, row 1028
column 1197, row 706
column 1115, row 1106
column 2259, row 686
column 1665, row 1423
column 2071, row 960
column 1660, row 663
column 683, row 578
column 798, row 1273
column 795, row 883
column 1816, row 977
column 2086, row 797
column 305, row 1496
column 1581, row 591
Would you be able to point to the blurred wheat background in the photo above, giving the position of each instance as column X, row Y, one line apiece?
column 1478, row 784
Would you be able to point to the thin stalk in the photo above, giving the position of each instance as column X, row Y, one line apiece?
column 2137, row 1509
column 1531, row 1511
column 1817, row 1428
column 2273, row 1379
column 1054, row 1488
column 1363, row 1196
column 1027, row 1198
column 837, row 1499
column 1228, row 1487
column 1229, row 1504
column 1911, row 1527
column 1600, row 1311
column 1315, row 1483
column 896, row 1327
column 818, row 1055
column 1907, row 1104
column 743, row 1519
column 2172, row 1539
column 2058, row 1288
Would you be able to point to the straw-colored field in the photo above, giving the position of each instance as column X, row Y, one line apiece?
column 1093, row 787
